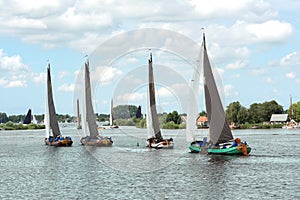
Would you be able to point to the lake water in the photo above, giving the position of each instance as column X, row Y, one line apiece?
column 32, row 170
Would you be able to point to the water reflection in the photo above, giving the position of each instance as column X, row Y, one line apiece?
column 220, row 159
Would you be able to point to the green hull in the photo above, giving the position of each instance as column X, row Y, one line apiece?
column 228, row 151
column 194, row 149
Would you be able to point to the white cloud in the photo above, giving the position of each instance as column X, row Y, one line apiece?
column 12, row 64
column 129, row 97
column 13, row 71
column 292, row 59
column 66, row 88
column 105, row 74
column 83, row 24
column 40, row 78
column 238, row 64
column 164, row 92
column 270, row 31
column 16, row 84
column 290, row 75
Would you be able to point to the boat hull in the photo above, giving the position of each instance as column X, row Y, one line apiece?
column 103, row 142
column 59, row 143
column 162, row 144
column 198, row 146
column 238, row 150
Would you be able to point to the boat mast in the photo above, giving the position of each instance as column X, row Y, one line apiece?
column 291, row 108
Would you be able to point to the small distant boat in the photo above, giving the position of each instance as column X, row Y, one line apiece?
column 221, row 138
column 292, row 123
column 53, row 135
column 138, row 113
column 111, row 116
column 91, row 135
column 155, row 139
column 28, row 117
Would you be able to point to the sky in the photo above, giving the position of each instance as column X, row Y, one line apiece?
column 253, row 44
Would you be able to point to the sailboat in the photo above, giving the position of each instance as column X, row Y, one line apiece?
column 27, row 119
column 292, row 123
column 221, row 138
column 53, row 135
column 138, row 113
column 111, row 116
column 155, row 139
column 91, row 135
column 78, row 116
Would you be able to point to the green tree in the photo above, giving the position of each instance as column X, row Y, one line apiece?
column 295, row 112
column 268, row 108
column 236, row 113
column 261, row 112
column 124, row 111
column 3, row 118
column 202, row 113
column 174, row 116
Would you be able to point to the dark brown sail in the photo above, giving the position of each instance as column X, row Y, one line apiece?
column 219, row 129
column 154, row 117
column 51, row 108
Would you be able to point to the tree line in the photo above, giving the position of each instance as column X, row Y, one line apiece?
column 235, row 112
column 256, row 113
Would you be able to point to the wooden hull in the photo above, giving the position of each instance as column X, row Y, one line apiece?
column 238, row 150
column 59, row 143
column 103, row 142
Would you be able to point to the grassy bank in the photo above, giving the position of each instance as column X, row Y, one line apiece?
column 12, row 126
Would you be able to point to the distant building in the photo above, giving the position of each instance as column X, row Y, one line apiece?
column 202, row 122
column 279, row 118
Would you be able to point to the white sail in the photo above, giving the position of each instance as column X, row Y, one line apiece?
column 111, row 117
column 46, row 117
column 148, row 117
column 192, row 112
column 88, row 116
column 34, row 121
column 84, row 116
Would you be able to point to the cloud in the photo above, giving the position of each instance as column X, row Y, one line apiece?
column 12, row 64
column 129, row 97
column 39, row 78
column 66, row 88
column 83, row 24
column 270, row 31
column 238, row 64
column 290, row 75
column 292, row 59
column 105, row 74
column 164, row 92
column 13, row 71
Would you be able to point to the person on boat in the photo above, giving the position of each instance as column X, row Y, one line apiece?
column 236, row 142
